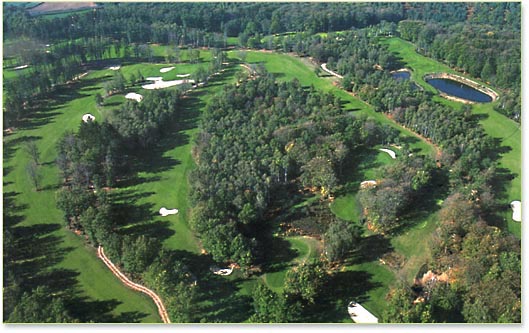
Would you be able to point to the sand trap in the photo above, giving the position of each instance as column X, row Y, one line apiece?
column 160, row 84
column 183, row 75
column 360, row 315
column 368, row 183
column 114, row 68
column 516, row 211
column 221, row 271
column 134, row 96
column 164, row 211
column 21, row 67
column 88, row 117
column 389, row 151
column 154, row 78
column 166, row 69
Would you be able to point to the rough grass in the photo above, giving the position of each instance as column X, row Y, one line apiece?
column 494, row 123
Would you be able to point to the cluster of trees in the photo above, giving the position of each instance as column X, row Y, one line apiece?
column 303, row 288
column 483, row 265
column 142, row 124
column 387, row 201
column 255, row 139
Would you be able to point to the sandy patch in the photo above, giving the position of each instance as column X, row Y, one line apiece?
column 516, row 211
column 166, row 69
column 134, row 96
column 21, row 67
column 389, row 151
column 88, row 117
column 164, row 211
column 221, row 271
column 368, row 184
column 114, row 68
column 183, row 75
column 360, row 315
column 160, row 84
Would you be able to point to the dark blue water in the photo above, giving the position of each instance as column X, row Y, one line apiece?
column 401, row 76
column 460, row 90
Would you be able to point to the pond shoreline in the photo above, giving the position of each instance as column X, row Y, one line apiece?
column 474, row 85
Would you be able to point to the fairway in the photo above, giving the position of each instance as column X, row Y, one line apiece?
column 92, row 278
column 494, row 123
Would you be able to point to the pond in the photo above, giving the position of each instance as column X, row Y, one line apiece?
column 401, row 76
column 404, row 76
column 458, row 89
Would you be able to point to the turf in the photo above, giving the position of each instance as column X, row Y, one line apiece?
column 495, row 124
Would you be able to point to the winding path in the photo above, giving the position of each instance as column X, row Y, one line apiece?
column 324, row 67
column 135, row 286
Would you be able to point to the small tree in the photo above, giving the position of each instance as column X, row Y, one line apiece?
column 32, row 150
column 34, row 174
column 99, row 99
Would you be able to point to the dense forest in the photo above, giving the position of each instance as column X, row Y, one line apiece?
column 256, row 139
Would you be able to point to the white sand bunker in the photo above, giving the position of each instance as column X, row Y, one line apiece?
column 88, row 117
column 114, row 68
column 389, row 151
column 166, row 69
column 516, row 211
column 183, row 75
column 134, row 96
column 221, row 271
column 21, row 67
column 164, row 211
column 368, row 184
column 159, row 83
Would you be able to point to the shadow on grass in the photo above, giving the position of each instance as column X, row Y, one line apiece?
column 87, row 310
column 342, row 288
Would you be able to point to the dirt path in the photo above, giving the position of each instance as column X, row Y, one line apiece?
column 324, row 67
column 135, row 286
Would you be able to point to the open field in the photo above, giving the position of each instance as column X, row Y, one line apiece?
column 507, row 131
column 56, row 7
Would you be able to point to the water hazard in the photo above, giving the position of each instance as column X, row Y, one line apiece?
column 458, row 89
column 401, row 76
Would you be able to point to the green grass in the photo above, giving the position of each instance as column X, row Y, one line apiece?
column 366, row 166
column 94, row 279
column 494, row 123
column 306, row 248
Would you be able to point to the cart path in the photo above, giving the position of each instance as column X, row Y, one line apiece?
column 135, row 286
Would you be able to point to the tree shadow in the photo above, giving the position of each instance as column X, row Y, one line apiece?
column 89, row 311
column 342, row 288
column 370, row 248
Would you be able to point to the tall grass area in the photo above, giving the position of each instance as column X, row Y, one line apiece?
column 494, row 123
